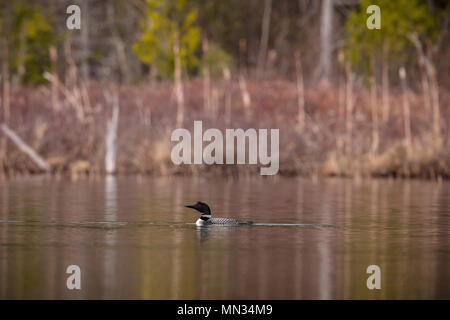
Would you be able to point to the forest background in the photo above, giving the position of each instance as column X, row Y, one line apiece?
column 348, row 100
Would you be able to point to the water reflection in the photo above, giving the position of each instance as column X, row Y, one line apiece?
column 150, row 249
column 110, row 236
column 203, row 234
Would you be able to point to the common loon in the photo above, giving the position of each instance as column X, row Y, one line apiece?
column 205, row 218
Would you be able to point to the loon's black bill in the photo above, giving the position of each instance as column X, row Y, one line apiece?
column 190, row 206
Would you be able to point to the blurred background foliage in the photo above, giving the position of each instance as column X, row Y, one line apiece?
column 400, row 18
column 165, row 22
column 145, row 30
column 26, row 30
column 310, row 67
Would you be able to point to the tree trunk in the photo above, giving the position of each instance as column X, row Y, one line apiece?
column 426, row 92
column 242, row 56
column 71, row 73
column 21, row 57
column 300, row 92
column 178, row 81
column 430, row 89
column 228, row 88
column 436, row 108
column 385, row 84
column 85, row 40
column 340, row 138
column 111, row 137
column 374, row 106
column 206, row 76
column 265, row 28
column 6, row 83
column 349, row 108
column 6, row 101
column 326, row 24
column 406, row 112
column 282, row 46
column 214, row 102
column 54, row 84
column 244, row 92
column 118, row 44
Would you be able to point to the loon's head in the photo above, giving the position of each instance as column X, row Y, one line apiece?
column 201, row 207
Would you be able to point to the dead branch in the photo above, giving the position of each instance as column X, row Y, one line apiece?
column 38, row 160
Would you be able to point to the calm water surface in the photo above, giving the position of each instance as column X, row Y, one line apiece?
column 133, row 239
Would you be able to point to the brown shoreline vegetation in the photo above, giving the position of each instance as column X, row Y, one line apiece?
column 73, row 141
column 352, row 94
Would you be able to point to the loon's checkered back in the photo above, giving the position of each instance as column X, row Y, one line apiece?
column 205, row 218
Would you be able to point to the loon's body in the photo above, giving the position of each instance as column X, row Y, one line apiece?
column 205, row 219
column 222, row 221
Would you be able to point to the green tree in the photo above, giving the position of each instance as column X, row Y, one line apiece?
column 399, row 19
column 215, row 59
column 168, row 22
column 27, row 33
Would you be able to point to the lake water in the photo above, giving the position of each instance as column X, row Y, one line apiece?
column 133, row 239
